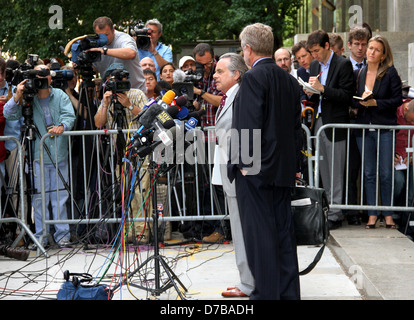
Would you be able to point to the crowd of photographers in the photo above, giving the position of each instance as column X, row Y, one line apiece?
column 107, row 81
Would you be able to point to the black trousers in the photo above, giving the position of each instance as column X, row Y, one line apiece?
column 265, row 213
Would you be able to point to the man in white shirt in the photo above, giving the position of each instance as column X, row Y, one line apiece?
column 357, row 45
column 229, row 71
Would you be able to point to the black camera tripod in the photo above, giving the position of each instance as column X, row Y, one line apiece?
column 157, row 258
column 28, row 133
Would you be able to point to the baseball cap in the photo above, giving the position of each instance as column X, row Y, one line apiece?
column 183, row 60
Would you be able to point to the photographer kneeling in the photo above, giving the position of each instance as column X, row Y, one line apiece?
column 52, row 112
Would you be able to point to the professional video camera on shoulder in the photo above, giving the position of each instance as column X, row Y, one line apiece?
column 60, row 78
column 117, row 83
column 194, row 75
column 141, row 33
column 79, row 48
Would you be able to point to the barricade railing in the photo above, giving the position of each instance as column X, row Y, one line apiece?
column 361, row 205
column 19, row 219
column 176, row 196
column 101, row 145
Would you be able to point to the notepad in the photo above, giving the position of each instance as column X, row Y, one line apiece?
column 307, row 86
column 368, row 97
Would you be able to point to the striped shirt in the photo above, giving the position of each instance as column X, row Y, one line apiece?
column 138, row 99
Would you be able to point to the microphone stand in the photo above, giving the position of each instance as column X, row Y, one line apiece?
column 157, row 257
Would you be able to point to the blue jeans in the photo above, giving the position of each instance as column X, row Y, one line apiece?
column 386, row 167
column 57, row 199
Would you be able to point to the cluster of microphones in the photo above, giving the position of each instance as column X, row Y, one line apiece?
column 159, row 120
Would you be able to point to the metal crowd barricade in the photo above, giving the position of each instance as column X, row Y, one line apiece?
column 309, row 154
column 172, row 193
column 361, row 206
column 22, row 220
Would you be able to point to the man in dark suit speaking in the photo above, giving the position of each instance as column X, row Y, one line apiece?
column 263, row 160
column 332, row 75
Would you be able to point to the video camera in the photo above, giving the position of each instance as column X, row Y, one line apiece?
column 194, row 75
column 141, row 33
column 60, row 78
column 79, row 48
column 32, row 85
column 116, row 82
column 26, row 72
column 184, row 82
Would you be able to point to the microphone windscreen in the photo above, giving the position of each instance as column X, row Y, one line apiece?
column 181, row 101
column 179, row 75
column 194, row 114
column 168, row 97
column 183, row 113
column 169, row 124
column 164, row 84
column 149, row 116
column 173, row 111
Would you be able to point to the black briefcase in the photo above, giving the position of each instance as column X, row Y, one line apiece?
column 310, row 218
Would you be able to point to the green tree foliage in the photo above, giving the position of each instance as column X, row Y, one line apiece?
column 25, row 25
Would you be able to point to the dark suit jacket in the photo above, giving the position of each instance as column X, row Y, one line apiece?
column 268, row 100
column 337, row 97
column 304, row 75
column 387, row 92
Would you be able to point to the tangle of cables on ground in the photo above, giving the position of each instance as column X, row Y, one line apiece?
column 120, row 257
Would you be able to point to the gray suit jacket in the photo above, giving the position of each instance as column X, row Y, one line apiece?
column 223, row 126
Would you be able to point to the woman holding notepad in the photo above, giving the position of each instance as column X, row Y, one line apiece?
column 380, row 82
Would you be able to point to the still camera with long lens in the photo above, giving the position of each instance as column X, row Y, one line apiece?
column 141, row 35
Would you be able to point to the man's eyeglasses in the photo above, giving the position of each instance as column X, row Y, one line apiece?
column 284, row 60
column 208, row 64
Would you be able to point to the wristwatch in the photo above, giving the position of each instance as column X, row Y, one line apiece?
column 201, row 93
column 131, row 107
column 105, row 51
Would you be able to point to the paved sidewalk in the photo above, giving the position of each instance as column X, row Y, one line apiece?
column 358, row 264
column 204, row 270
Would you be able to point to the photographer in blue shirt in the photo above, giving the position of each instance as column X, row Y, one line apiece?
column 52, row 113
column 160, row 53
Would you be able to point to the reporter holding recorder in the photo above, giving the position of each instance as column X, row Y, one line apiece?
column 381, row 79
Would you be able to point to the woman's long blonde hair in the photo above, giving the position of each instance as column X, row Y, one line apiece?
column 388, row 60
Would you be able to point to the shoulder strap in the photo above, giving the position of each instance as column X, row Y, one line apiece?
column 314, row 262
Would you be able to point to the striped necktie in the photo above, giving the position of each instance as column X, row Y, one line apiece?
column 222, row 103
